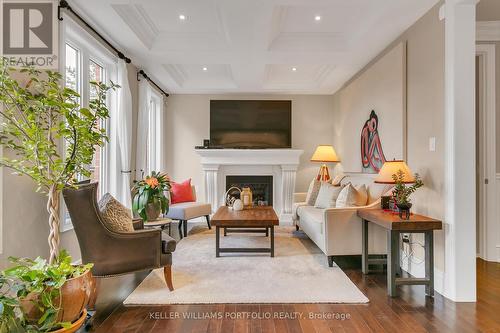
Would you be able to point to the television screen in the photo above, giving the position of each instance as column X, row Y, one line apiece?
column 250, row 124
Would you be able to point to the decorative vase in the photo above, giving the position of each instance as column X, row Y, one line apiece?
column 237, row 205
column 404, row 210
column 153, row 209
column 246, row 197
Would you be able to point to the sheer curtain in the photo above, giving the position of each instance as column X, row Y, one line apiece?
column 142, row 129
column 123, row 125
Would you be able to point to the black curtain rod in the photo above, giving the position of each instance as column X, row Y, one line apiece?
column 63, row 4
column 141, row 72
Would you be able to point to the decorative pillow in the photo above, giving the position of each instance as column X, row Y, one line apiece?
column 115, row 216
column 327, row 195
column 181, row 192
column 312, row 192
column 351, row 196
column 338, row 178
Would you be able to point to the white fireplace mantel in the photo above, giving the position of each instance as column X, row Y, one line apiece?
column 280, row 163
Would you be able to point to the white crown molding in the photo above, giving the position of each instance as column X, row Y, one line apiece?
column 177, row 73
column 139, row 21
column 487, row 31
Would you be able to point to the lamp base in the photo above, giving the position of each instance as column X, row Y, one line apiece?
column 323, row 174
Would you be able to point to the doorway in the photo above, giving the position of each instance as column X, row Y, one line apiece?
column 486, row 219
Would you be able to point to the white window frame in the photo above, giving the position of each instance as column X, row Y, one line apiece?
column 154, row 145
column 89, row 49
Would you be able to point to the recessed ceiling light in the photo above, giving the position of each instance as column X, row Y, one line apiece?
column 317, row 18
column 205, row 69
column 182, row 17
column 294, row 69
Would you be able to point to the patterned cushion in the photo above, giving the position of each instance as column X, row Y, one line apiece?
column 115, row 216
column 327, row 195
column 312, row 192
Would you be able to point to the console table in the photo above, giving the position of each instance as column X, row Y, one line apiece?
column 395, row 227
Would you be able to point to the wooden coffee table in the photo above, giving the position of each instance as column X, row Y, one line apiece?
column 247, row 220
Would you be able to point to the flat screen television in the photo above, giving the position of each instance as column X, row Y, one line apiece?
column 250, row 124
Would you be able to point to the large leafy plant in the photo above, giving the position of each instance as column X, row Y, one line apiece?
column 150, row 190
column 402, row 192
column 35, row 277
column 39, row 115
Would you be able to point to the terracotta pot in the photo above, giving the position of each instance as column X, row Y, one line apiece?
column 153, row 210
column 75, row 295
column 75, row 325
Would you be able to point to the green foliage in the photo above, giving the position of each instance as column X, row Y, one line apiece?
column 35, row 277
column 41, row 114
column 150, row 190
column 402, row 192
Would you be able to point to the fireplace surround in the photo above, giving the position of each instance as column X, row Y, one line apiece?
column 281, row 164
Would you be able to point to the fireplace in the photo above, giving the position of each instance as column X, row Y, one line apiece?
column 261, row 187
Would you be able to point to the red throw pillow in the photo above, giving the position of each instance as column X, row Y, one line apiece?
column 181, row 192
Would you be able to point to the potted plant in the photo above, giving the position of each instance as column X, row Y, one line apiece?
column 402, row 192
column 40, row 116
column 149, row 199
column 37, row 296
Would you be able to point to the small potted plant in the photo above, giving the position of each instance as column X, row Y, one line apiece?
column 402, row 192
column 37, row 296
column 149, row 196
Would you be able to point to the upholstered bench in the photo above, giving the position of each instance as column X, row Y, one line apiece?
column 185, row 211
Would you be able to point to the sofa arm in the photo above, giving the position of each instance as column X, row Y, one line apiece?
column 299, row 197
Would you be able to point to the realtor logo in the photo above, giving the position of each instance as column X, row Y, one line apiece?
column 29, row 33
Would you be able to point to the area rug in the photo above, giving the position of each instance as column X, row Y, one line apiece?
column 298, row 273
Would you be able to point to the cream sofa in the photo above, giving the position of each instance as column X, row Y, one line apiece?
column 337, row 231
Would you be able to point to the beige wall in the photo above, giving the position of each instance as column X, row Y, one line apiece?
column 425, row 115
column 187, row 124
column 489, row 10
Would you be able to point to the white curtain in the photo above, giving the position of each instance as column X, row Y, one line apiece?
column 142, row 129
column 123, row 125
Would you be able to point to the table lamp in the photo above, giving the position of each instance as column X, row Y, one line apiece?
column 391, row 168
column 324, row 154
column 385, row 177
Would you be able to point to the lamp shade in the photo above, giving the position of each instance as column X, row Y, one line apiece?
column 325, row 153
column 391, row 168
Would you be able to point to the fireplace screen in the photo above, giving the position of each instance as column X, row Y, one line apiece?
column 261, row 186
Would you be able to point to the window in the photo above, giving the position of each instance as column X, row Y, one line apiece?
column 85, row 60
column 154, row 138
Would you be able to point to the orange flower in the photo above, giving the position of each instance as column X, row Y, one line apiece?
column 152, row 182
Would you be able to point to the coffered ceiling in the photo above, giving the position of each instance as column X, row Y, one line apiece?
column 252, row 46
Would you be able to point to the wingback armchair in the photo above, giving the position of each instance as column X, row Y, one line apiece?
column 115, row 253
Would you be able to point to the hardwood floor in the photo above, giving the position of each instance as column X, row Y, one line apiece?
column 410, row 312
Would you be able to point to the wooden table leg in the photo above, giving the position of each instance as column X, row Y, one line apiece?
column 364, row 249
column 272, row 241
column 217, row 241
column 180, row 229
column 429, row 262
column 267, row 232
column 399, row 271
column 392, row 248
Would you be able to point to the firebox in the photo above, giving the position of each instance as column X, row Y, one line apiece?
column 261, row 186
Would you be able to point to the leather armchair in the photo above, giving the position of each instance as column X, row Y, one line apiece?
column 115, row 253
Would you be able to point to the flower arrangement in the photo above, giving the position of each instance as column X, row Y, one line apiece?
column 402, row 192
column 149, row 198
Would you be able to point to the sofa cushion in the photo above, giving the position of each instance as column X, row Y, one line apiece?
column 327, row 195
column 336, row 181
column 313, row 217
column 115, row 216
column 297, row 206
column 312, row 192
column 181, row 192
column 352, row 196
column 188, row 210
